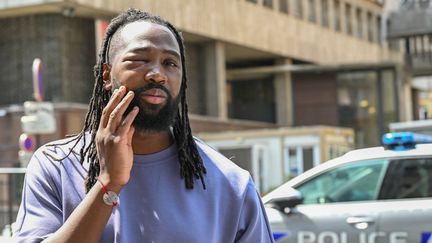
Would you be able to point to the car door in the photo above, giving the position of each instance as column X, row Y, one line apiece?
column 407, row 201
column 329, row 223
column 339, row 206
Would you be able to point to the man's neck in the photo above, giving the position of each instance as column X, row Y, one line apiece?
column 148, row 143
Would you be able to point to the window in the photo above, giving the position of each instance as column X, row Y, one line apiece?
column 408, row 178
column 298, row 8
column 389, row 97
column 300, row 158
column 308, row 158
column 358, row 105
column 252, row 1
column 283, row 6
column 312, row 11
column 268, row 3
column 348, row 21
column 379, row 30
column 324, row 13
column 360, row 23
column 371, row 26
column 357, row 181
column 293, row 163
column 337, row 19
column 262, row 179
column 253, row 100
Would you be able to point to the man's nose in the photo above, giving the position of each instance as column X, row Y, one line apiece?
column 155, row 74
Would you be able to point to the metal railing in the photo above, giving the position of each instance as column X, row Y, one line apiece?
column 11, row 184
column 414, row 4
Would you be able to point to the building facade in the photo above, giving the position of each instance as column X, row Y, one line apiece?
column 271, row 57
column 409, row 24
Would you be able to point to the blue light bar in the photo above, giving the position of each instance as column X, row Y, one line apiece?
column 404, row 140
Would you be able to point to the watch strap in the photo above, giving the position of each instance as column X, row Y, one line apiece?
column 110, row 198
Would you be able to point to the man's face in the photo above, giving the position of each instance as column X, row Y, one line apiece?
column 147, row 61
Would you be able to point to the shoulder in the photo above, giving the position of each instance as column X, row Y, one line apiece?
column 53, row 156
column 218, row 166
column 58, row 150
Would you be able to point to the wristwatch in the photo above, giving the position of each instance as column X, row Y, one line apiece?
column 110, row 198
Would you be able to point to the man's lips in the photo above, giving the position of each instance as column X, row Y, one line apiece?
column 154, row 96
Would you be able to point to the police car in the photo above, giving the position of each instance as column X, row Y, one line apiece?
column 372, row 195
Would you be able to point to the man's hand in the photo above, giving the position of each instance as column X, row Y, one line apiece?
column 114, row 140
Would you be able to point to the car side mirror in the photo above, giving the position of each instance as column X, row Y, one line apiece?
column 287, row 201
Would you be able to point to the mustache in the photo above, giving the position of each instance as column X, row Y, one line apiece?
column 150, row 86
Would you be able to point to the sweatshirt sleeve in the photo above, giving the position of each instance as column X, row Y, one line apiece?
column 40, row 213
column 253, row 225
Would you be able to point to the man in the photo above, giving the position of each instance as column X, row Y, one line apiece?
column 134, row 151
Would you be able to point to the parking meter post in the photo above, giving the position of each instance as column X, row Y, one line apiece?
column 10, row 199
column 38, row 117
column 38, row 86
column 38, row 91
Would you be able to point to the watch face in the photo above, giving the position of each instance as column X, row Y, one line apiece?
column 110, row 198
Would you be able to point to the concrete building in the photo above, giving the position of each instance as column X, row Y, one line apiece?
column 409, row 23
column 280, row 63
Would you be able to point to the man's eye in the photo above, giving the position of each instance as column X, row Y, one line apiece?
column 137, row 60
column 171, row 63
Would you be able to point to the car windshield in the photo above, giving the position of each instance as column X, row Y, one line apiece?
column 357, row 181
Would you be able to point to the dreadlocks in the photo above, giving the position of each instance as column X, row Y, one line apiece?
column 191, row 164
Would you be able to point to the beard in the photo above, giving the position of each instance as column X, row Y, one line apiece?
column 151, row 117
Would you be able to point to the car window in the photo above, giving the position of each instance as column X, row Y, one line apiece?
column 357, row 181
column 408, row 178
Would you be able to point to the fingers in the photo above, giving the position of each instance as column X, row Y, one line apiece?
column 116, row 116
column 126, row 124
column 113, row 102
column 130, row 135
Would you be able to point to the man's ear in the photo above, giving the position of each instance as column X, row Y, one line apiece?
column 106, row 76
